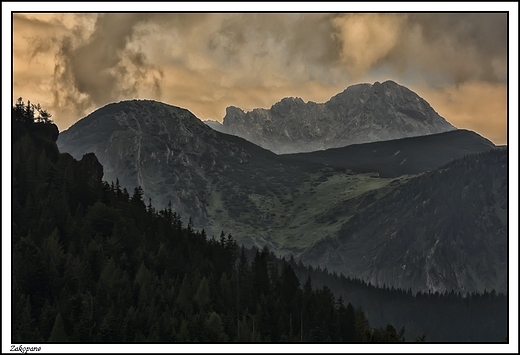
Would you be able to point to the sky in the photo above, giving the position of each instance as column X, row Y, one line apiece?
column 74, row 63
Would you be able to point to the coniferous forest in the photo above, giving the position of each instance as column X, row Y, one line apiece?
column 95, row 263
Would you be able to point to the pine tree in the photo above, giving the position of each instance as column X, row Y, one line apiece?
column 58, row 334
column 349, row 325
column 290, row 285
column 24, row 329
column 215, row 328
column 202, row 296
column 183, row 334
column 184, row 298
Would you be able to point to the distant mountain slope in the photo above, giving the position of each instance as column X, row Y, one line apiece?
column 401, row 156
column 226, row 183
column 173, row 156
column 446, row 229
column 362, row 113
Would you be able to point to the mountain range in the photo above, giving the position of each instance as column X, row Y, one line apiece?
column 377, row 211
column 362, row 113
column 92, row 264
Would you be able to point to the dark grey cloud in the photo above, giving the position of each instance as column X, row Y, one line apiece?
column 293, row 47
column 97, row 66
column 486, row 31
column 460, row 46
column 208, row 61
column 105, row 67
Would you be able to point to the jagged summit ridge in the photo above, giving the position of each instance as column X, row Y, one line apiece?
column 362, row 113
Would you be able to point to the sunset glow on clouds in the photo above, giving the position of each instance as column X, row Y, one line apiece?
column 74, row 63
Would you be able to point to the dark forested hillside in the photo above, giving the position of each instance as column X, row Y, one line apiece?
column 437, row 316
column 95, row 263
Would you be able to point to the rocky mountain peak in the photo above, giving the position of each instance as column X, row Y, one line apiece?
column 233, row 115
column 362, row 113
column 288, row 102
column 234, row 110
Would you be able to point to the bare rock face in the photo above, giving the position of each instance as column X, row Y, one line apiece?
column 361, row 114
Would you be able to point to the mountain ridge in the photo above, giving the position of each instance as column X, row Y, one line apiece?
column 227, row 183
column 400, row 156
column 362, row 113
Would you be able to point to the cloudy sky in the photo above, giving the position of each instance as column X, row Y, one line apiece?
column 73, row 63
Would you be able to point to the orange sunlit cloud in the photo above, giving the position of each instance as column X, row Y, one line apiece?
column 74, row 63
